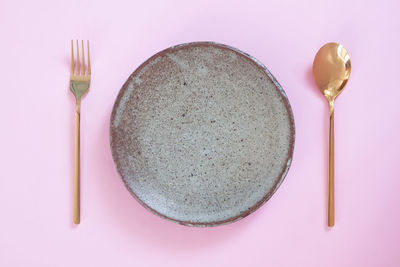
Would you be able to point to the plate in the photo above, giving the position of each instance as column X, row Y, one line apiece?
column 202, row 134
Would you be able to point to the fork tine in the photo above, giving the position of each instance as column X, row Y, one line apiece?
column 88, row 54
column 78, row 67
column 72, row 58
column 83, row 60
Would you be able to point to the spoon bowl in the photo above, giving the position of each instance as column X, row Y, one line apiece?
column 331, row 69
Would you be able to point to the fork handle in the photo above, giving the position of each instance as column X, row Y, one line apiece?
column 77, row 166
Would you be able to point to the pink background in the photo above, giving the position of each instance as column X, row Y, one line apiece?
column 37, row 134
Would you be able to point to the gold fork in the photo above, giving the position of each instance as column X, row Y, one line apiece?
column 79, row 85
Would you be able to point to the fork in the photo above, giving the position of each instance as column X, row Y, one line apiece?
column 79, row 85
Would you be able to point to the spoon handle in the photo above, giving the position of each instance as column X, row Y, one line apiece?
column 331, row 196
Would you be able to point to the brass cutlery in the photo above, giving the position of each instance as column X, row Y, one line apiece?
column 331, row 69
column 79, row 85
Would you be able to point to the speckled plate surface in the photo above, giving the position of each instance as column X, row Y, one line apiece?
column 202, row 134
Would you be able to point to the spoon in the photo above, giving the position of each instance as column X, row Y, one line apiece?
column 331, row 69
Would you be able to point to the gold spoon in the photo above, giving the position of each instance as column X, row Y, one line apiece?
column 331, row 71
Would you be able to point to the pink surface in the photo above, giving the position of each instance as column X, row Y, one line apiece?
column 37, row 135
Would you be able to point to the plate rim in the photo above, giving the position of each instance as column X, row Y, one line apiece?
column 281, row 176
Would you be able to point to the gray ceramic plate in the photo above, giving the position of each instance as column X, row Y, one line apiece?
column 202, row 134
